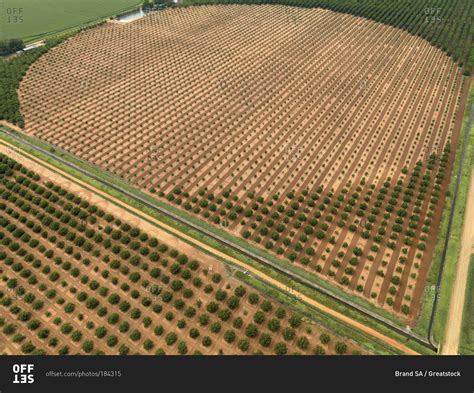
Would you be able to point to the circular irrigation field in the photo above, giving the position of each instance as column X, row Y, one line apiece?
column 322, row 137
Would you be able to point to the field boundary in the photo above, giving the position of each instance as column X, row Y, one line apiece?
column 466, row 343
column 451, row 240
column 306, row 310
column 460, row 291
column 259, row 259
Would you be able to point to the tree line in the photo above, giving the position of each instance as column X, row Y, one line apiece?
column 8, row 47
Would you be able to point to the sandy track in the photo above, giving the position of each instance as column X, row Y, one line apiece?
column 125, row 212
column 453, row 329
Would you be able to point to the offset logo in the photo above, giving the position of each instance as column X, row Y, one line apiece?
column 23, row 373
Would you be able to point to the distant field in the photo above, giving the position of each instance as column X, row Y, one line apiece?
column 446, row 24
column 30, row 18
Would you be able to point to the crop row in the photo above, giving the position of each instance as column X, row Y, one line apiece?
column 76, row 279
column 310, row 157
column 446, row 24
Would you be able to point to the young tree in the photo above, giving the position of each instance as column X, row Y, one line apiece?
column 88, row 346
column 229, row 336
column 251, row 331
column 265, row 340
column 288, row 334
column 182, row 348
column 319, row 350
column 341, row 348
column 206, row 341
column 324, row 338
column 124, row 350
column 243, row 345
column 148, row 344
column 302, row 342
column 281, row 349
column 171, row 338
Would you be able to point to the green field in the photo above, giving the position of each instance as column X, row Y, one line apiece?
column 32, row 19
column 466, row 342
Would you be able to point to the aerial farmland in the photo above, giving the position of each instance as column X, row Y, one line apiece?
column 310, row 165
column 125, row 281
column 230, row 168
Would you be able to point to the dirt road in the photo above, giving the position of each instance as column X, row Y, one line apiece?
column 453, row 329
column 171, row 235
